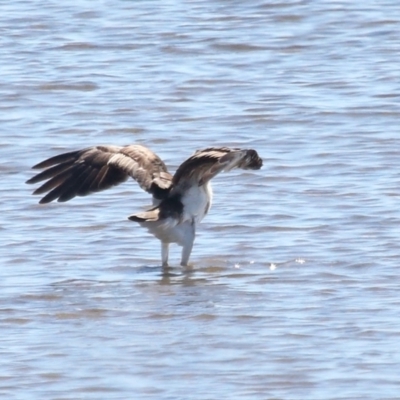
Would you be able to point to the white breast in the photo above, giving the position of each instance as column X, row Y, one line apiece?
column 196, row 202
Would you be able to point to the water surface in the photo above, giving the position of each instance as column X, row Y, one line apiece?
column 294, row 292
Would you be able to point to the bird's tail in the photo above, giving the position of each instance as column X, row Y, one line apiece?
column 147, row 216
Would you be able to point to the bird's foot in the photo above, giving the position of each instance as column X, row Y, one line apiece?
column 187, row 266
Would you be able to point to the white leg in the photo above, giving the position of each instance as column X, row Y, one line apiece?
column 186, row 251
column 164, row 253
column 188, row 246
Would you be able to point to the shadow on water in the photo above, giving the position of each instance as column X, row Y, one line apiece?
column 135, row 292
column 206, row 271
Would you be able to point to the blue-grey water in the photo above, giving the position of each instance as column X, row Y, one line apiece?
column 295, row 290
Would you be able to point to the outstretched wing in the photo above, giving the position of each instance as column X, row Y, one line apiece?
column 203, row 165
column 79, row 173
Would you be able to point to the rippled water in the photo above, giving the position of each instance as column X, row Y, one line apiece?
column 295, row 289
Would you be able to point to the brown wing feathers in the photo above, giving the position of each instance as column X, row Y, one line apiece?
column 142, row 165
column 198, row 163
column 203, row 165
column 98, row 168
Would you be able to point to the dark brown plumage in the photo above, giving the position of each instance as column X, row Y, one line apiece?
column 79, row 173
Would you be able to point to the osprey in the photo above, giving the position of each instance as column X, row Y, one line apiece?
column 180, row 201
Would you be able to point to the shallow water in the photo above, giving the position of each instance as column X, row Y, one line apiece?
column 294, row 292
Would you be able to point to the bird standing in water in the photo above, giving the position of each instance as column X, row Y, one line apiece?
column 180, row 201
